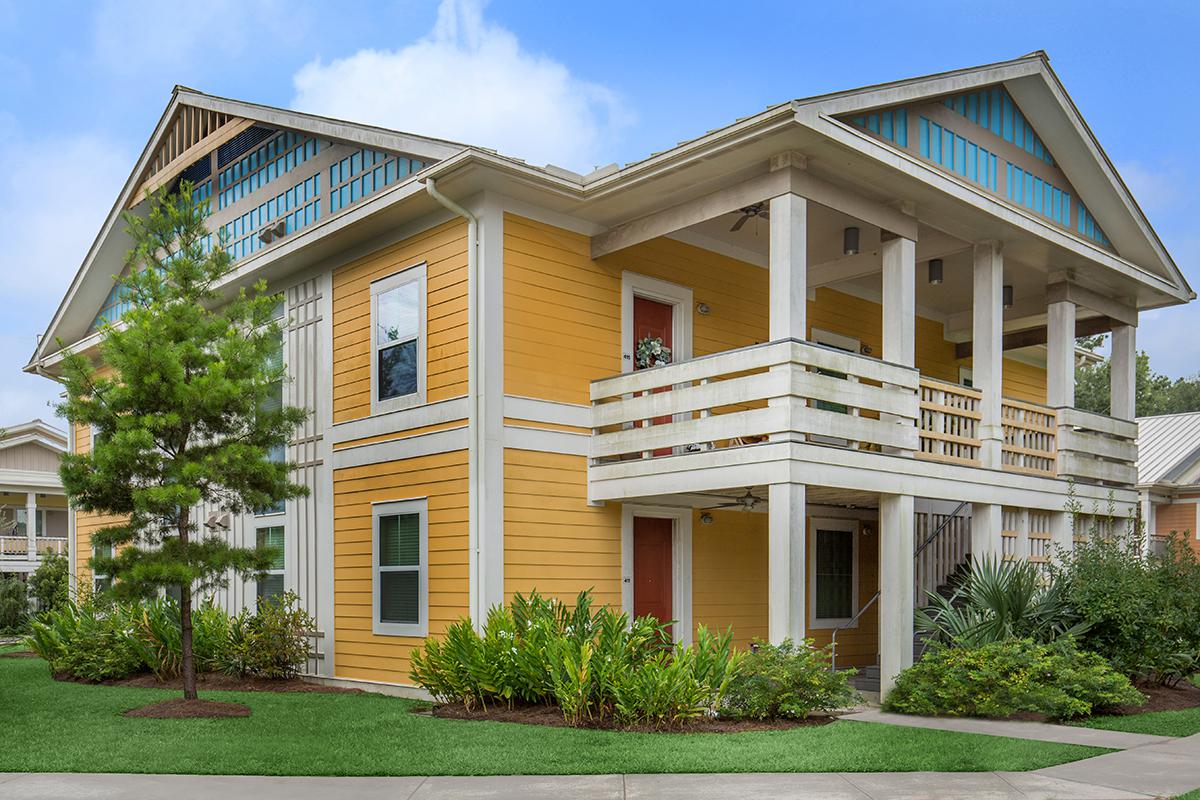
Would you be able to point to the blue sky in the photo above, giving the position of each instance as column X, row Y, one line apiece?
column 576, row 84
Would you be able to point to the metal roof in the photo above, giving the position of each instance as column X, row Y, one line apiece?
column 1167, row 446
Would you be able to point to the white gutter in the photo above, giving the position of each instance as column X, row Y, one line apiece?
column 475, row 439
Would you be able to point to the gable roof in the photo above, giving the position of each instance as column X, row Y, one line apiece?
column 1167, row 446
column 36, row 432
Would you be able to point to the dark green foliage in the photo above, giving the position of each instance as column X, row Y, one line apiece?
column 184, row 407
column 595, row 665
column 273, row 642
column 50, row 582
column 1143, row 614
column 1001, row 679
column 1000, row 600
column 787, row 680
column 14, row 605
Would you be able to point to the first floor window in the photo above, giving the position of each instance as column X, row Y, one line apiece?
column 834, row 571
column 271, row 584
column 100, row 581
column 401, row 579
column 397, row 339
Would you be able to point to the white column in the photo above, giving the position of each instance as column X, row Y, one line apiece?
column 786, row 542
column 1123, row 378
column 1146, row 514
column 987, row 349
column 987, row 519
column 1062, row 535
column 900, row 301
column 896, row 588
column 789, row 267
column 31, row 525
column 1060, row 354
column 1022, row 550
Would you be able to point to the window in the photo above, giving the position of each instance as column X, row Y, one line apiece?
column 400, row 583
column 101, row 582
column 271, row 584
column 398, row 340
column 834, row 571
column 273, row 403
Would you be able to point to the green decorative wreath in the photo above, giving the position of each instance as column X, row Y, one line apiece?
column 651, row 352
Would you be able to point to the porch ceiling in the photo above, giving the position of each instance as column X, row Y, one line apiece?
column 816, row 496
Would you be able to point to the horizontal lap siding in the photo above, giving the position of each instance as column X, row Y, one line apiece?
column 444, row 250
column 442, row 478
column 554, row 541
column 87, row 522
column 729, row 574
column 1176, row 517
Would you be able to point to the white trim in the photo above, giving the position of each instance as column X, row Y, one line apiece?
column 853, row 528
column 490, row 437
column 536, row 410
column 681, row 563
column 405, row 690
column 422, row 444
column 832, row 339
column 323, row 544
column 415, row 273
column 679, row 297
column 405, row 419
column 521, row 437
column 419, row 506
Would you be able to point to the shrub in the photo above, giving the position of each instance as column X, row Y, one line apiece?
column 160, row 640
column 271, row 643
column 595, row 665
column 50, row 583
column 787, row 680
column 14, row 605
column 1000, row 679
column 90, row 641
column 1000, row 600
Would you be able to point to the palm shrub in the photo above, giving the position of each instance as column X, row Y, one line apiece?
column 1000, row 679
column 787, row 680
column 999, row 600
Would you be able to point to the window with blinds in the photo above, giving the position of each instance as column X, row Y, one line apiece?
column 271, row 583
column 400, row 580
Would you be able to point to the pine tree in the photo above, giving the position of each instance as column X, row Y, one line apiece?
column 183, row 405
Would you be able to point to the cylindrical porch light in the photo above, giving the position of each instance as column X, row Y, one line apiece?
column 1008, row 295
column 850, row 241
column 935, row 271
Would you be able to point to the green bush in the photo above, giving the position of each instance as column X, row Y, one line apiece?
column 1142, row 613
column 91, row 641
column 14, row 605
column 50, row 583
column 787, row 680
column 271, row 643
column 597, row 666
column 1001, row 679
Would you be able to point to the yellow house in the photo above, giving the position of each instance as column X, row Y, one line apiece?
column 785, row 377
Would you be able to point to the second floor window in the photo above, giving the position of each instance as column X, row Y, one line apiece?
column 397, row 340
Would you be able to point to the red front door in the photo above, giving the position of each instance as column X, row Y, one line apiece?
column 654, row 320
column 652, row 568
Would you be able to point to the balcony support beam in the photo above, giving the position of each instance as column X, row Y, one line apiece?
column 789, row 267
column 1060, row 354
column 896, row 582
column 1123, row 375
column 987, row 520
column 987, row 362
column 31, row 525
column 786, row 549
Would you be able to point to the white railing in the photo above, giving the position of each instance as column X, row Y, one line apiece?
column 1096, row 447
column 1030, row 443
column 18, row 546
column 786, row 389
column 949, row 422
column 13, row 546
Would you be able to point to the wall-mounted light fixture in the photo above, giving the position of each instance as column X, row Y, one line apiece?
column 850, row 241
column 1008, row 295
column 702, row 309
column 706, row 518
column 935, row 271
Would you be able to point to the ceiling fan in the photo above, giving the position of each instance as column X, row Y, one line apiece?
column 747, row 502
column 756, row 210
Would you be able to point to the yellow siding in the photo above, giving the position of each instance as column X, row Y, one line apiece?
column 444, row 250
column 857, row 646
column 729, row 574
column 553, row 540
column 441, row 478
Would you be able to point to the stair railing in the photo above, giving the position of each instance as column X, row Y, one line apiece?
column 854, row 619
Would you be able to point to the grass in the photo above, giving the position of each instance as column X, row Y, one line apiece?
column 68, row 727
column 1185, row 722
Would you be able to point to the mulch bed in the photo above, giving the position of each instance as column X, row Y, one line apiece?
column 178, row 708
column 19, row 654
column 216, row 681
column 552, row 716
column 1161, row 698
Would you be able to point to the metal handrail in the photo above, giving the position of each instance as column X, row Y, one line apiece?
column 938, row 531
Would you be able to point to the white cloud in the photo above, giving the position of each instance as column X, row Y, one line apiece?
column 470, row 81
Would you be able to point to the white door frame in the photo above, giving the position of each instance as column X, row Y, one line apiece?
column 854, row 528
column 678, row 297
column 681, row 563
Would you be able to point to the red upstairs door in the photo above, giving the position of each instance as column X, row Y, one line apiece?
column 654, row 320
column 652, row 585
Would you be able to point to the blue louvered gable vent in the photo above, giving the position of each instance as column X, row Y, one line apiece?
column 891, row 125
column 995, row 110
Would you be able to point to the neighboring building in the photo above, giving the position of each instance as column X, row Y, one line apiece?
column 30, row 489
column 870, row 299
column 1169, row 475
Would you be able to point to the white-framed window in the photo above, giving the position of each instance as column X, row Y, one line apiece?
column 100, row 581
column 398, row 340
column 271, row 583
column 400, row 568
column 833, row 572
column 274, row 402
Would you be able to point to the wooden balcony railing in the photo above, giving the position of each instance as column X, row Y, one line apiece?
column 18, row 546
column 1095, row 447
column 949, row 422
column 1030, row 435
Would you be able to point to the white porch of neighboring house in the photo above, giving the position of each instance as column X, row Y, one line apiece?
column 30, row 490
column 807, row 423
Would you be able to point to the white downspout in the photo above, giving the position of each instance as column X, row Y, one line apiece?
column 475, row 486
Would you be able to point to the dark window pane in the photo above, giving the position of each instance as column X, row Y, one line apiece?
column 834, row 574
column 398, row 370
column 399, row 597
column 270, row 586
column 400, row 540
column 273, row 537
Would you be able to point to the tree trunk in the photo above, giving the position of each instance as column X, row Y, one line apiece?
column 185, row 619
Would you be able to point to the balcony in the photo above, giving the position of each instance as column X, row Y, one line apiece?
column 16, row 548
column 797, row 392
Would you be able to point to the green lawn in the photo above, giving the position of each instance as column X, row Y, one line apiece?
column 71, row 727
column 1159, row 723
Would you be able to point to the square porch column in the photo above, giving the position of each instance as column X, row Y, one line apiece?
column 987, row 359
column 1062, row 533
column 789, row 267
column 899, row 300
column 787, row 540
column 31, row 526
column 1123, row 374
column 1060, row 354
column 987, row 520
column 896, row 588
